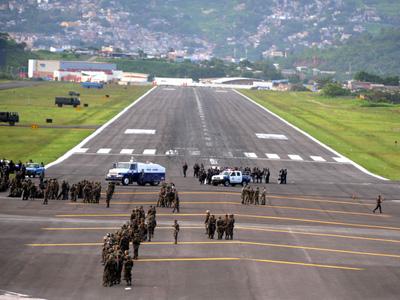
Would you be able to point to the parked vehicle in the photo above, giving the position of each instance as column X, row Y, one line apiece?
column 142, row 173
column 92, row 85
column 230, row 177
column 34, row 169
column 74, row 101
column 9, row 117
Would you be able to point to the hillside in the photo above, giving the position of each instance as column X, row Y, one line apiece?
column 376, row 53
column 13, row 57
column 221, row 27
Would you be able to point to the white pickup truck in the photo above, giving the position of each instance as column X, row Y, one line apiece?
column 230, row 177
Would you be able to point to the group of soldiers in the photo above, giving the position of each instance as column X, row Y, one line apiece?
column 221, row 225
column 168, row 197
column 115, row 252
column 89, row 191
column 282, row 176
column 257, row 175
column 249, row 195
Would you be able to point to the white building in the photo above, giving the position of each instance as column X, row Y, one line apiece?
column 173, row 81
column 128, row 78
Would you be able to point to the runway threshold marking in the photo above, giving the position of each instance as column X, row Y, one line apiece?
column 249, row 228
column 274, row 245
column 241, row 215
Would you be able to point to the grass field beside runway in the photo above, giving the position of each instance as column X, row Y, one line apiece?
column 36, row 104
column 364, row 134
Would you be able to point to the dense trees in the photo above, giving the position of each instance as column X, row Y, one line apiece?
column 368, row 77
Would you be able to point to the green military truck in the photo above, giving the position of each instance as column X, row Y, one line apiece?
column 74, row 101
column 9, row 117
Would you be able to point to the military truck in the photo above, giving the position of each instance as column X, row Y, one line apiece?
column 74, row 101
column 73, row 93
column 9, row 117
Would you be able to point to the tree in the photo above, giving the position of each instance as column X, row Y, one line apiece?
column 334, row 90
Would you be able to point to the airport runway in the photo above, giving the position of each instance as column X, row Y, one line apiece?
column 18, row 84
column 312, row 240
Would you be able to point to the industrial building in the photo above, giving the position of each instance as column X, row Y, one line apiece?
column 76, row 71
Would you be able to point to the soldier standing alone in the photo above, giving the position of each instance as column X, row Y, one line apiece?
column 176, row 231
column 110, row 192
column 184, row 168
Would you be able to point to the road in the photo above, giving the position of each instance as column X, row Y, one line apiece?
column 312, row 241
column 18, row 84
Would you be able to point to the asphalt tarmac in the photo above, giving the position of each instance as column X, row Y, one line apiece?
column 316, row 238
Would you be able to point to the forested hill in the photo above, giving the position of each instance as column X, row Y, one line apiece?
column 218, row 27
column 375, row 53
column 12, row 55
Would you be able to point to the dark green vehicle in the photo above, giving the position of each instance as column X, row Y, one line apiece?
column 74, row 101
column 9, row 117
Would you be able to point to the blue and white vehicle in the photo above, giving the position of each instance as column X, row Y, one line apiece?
column 230, row 177
column 142, row 173
column 34, row 169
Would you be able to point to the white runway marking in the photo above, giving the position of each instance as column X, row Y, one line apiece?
column 194, row 152
column 81, row 150
column 271, row 136
column 294, row 157
column 310, row 137
column 317, row 158
column 213, row 161
column 272, row 156
column 221, row 91
column 250, row 154
column 98, row 131
column 168, row 89
column 140, row 131
column 172, row 152
column 126, row 151
column 104, row 150
column 149, row 151
column 341, row 159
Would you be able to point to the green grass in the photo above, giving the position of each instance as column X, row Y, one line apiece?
column 363, row 133
column 36, row 104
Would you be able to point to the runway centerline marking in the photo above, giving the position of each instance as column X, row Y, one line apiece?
column 238, row 215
